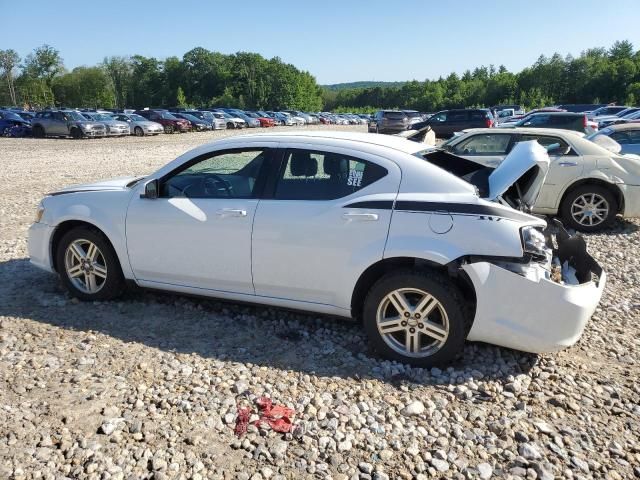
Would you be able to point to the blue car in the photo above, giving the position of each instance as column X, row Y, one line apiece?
column 13, row 125
column 626, row 134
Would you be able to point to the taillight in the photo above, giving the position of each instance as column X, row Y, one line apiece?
column 584, row 121
column 488, row 122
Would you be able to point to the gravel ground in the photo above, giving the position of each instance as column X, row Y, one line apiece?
column 146, row 387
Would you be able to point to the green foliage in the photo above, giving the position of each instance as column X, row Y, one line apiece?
column 181, row 99
column 84, row 87
column 596, row 75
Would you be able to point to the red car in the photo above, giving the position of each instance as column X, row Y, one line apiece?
column 264, row 121
column 170, row 123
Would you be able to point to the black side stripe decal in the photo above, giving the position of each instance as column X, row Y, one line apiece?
column 452, row 208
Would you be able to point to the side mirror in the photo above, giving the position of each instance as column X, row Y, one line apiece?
column 151, row 189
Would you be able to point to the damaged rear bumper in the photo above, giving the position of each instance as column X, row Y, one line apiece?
column 531, row 312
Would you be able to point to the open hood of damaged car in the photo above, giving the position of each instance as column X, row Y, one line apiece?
column 521, row 173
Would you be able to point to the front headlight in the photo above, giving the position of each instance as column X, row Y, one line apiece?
column 39, row 212
column 534, row 242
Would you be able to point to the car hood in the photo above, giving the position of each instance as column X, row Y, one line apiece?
column 105, row 185
column 524, row 157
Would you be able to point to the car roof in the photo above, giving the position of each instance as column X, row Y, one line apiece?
column 622, row 126
column 348, row 139
column 555, row 114
column 525, row 130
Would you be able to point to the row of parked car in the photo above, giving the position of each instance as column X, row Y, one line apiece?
column 150, row 121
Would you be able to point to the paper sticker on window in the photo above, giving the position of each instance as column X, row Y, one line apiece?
column 355, row 178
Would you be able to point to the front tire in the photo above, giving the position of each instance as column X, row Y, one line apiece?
column 416, row 317
column 76, row 133
column 169, row 129
column 88, row 265
column 37, row 131
column 589, row 208
column 138, row 132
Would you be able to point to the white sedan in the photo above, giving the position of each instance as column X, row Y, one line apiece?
column 587, row 185
column 353, row 225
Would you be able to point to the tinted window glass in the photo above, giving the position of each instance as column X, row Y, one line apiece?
column 493, row 144
column 621, row 137
column 545, row 141
column 457, row 116
column 440, row 117
column 312, row 175
column 394, row 115
column 223, row 175
column 477, row 115
column 634, row 136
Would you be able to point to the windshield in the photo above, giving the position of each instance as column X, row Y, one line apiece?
column 191, row 118
column 101, row 117
column 168, row 116
column 137, row 118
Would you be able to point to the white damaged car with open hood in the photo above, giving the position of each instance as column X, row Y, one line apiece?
column 426, row 248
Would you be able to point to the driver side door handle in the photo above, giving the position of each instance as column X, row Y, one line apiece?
column 231, row 212
column 568, row 164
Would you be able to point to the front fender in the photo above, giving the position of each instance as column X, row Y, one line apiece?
column 104, row 210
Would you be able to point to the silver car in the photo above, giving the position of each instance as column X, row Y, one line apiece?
column 114, row 127
column 139, row 125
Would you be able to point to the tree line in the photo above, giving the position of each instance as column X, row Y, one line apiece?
column 200, row 78
column 598, row 75
column 248, row 80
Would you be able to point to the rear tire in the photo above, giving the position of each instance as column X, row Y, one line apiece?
column 417, row 317
column 589, row 208
column 138, row 132
column 99, row 260
column 168, row 129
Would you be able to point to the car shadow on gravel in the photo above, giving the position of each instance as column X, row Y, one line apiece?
column 216, row 330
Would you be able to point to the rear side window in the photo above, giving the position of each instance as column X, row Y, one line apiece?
column 394, row 115
column 315, row 175
column 622, row 138
column 545, row 141
column 493, row 144
column 634, row 136
column 458, row 116
column 479, row 115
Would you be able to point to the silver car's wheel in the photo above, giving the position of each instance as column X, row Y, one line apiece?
column 590, row 209
column 412, row 322
column 85, row 265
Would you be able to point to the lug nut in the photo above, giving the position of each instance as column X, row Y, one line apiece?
column 412, row 330
column 406, row 314
column 404, row 324
column 421, row 325
column 417, row 315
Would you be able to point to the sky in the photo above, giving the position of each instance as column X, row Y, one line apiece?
column 335, row 40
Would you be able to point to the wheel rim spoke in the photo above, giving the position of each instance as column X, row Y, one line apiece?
column 77, row 251
column 434, row 330
column 412, row 342
column 426, row 306
column 75, row 271
column 399, row 302
column 392, row 325
column 99, row 271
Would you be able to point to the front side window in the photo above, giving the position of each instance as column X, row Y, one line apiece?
column 313, row 175
column 230, row 174
column 621, row 137
column 491, row 144
column 439, row 117
column 634, row 136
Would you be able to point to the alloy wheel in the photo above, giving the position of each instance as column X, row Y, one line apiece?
column 590, row 209
column 412, row 322
column 85, row 266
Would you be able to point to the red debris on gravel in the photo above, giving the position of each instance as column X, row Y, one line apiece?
column 278, row 417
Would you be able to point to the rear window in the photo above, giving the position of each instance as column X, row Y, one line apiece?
column 394, row 115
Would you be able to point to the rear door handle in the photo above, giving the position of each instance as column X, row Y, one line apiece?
column 371, row 217
column 231, row 212
column 568, row 164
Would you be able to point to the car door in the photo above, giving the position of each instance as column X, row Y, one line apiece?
column 457, row 120
column 326, row 220
column 197, row 233
column 58, row 124
column 488, row 149
column 564, row 169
